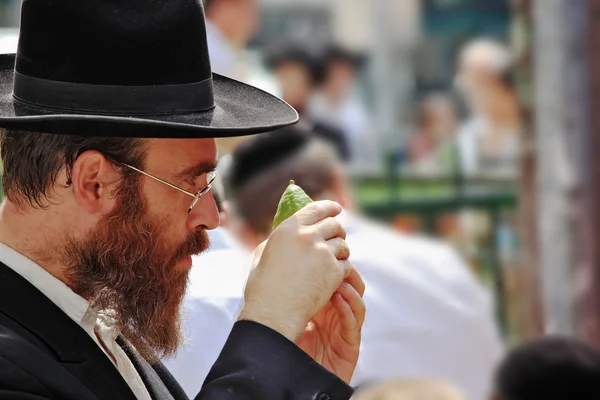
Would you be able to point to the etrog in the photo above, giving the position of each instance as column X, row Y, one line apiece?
column 292, row 201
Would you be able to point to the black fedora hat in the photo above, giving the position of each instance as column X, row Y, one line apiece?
column 135, row 68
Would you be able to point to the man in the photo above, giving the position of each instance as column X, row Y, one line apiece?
column 428, row 316
column 110, row 111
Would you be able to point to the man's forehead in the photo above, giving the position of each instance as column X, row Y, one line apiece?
column 183, row 156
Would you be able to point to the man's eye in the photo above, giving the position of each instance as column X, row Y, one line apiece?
column 192, row 181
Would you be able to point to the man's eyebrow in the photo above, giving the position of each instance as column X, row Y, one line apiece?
column 197, row 170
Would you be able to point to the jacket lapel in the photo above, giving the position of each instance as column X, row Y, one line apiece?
column 69, row 343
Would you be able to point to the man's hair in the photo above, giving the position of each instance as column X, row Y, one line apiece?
column 263, row 166
column 32, row 161
column 336, row 53
column 550, row 368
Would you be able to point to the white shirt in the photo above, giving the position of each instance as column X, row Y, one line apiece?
column 101, row 328
column 223, row 57
column 211, row 306
column 427, row 315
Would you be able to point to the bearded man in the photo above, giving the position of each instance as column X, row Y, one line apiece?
column 109, row 112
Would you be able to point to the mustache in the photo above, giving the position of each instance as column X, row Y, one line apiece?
column 196, row 243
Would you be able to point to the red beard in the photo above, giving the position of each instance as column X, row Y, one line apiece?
column 124, row 267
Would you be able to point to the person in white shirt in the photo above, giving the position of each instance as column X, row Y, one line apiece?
column 428, row 316
column 230, row 25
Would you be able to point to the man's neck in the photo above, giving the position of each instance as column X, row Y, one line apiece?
column 25, row 232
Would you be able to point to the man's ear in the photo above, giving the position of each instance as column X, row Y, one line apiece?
column 91, row 178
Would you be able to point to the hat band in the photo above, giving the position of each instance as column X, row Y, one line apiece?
column 114, row 100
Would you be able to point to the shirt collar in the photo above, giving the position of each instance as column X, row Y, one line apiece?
column 54, row 289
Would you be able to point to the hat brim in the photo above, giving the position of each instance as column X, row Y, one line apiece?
column 239, row 110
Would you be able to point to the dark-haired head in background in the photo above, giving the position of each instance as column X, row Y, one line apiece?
column 340, row 67
column 262, row 169
column 551, row 368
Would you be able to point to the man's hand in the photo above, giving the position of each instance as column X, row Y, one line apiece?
column 332, row 338
column 301, row 266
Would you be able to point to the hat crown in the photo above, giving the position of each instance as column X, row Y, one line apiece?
column 114, row 42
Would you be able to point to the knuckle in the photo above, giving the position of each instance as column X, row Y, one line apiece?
column 335, row 224
column 306, row 236
column 362, row 305
column 322, row 249
column 345, row 248
column 310, row 209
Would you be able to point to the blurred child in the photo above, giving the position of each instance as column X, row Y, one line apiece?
column 432, row 148
column 550, row 368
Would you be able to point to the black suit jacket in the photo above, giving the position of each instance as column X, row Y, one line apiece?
column 46, row 355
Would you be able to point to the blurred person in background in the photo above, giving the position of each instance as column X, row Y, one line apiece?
column 298, row 71
column 432, row 146
column 230, row 25
column 409, row 389
column 549, row 368
column 428, row 316
column 489, row 139
column 336, row 101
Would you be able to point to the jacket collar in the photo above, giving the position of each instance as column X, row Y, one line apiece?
column 71, row 345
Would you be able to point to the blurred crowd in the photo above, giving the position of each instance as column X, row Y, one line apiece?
column 471, row 129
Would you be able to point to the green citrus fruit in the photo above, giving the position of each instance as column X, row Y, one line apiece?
column 293, row 200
